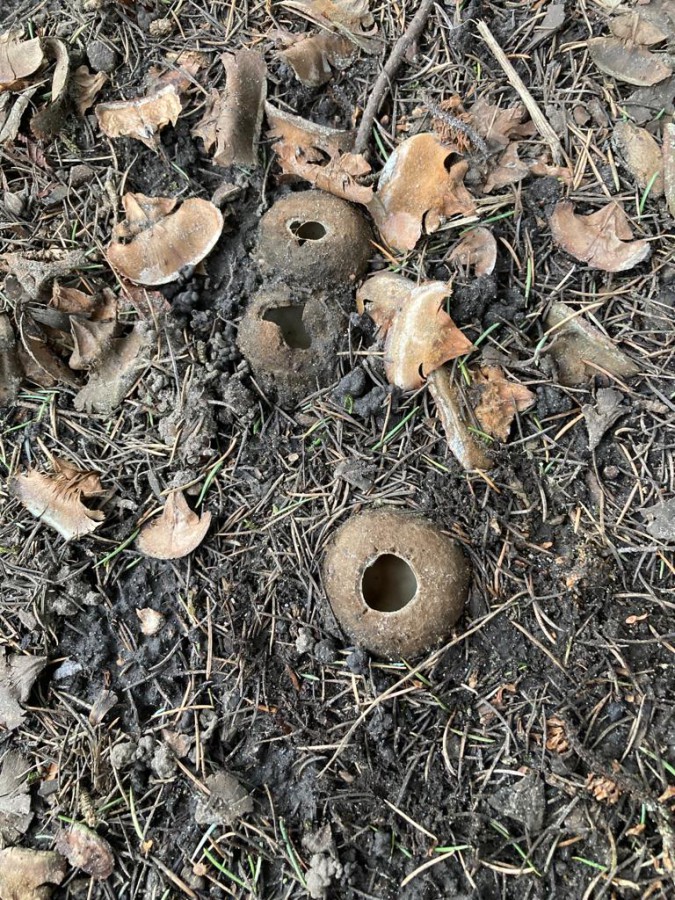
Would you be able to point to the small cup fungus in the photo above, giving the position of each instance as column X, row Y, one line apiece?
column 396, row 583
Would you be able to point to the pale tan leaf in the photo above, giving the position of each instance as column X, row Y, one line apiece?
column 461, row 442
column 421, row 184
column 477, row 249
column 86, row 850
column 350, row 17
column 628, row 62
column 162, row 245
column 118, row 368
column 510, row 169
column 47, row 122
column 18, row 61
column 318, row 155
column 498, row 401
column 313, row 58
column 177, row 532
column 30, row 874
column 669, row 165
column 91, row 341
column 381, row 296
column 636, row 26
column 56, row 499
column 15, row 812
column 499, row 126
column 601, row 239
column 84, row 86
column 142, row 118
column 17, row 677
column 641, row 154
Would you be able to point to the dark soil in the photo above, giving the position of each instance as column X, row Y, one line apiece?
column 450, row 760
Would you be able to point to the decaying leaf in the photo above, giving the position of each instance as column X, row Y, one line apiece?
column 602, row 239
column 84, row 86
column 603, row 789
column 163, row 241
column 86, row 850
column 180, row 69
column 10, row 118
column 40, row 363
column 662, row 520
column 599, row 418
column 15, row 812
column 116, row 371
column 319, row 155
column 17, row 676
column 350, row 17
column 642, row 156
column 10, row 370
column 56, row 499
column 18, row 60
column 498, row 401
column 669, row 166
column 30, row 874
column 313, row 58
column 627, row 62
column 142, row 118
column 228, row 801
column 91, row 342
column 638, row 27
column 421, row 184
column 510, row 169
column 177, row 532
column 233, row 117
column 461, row 442
column 419, row 335
column 581, row 351
column 35, row 272
column 477, row 250
column 47, row 122
column 104, row 702
column 498, row 126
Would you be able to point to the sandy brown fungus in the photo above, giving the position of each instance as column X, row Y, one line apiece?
column 397, row 584
column 162, row 241
column 315, row 237
column 289, row 336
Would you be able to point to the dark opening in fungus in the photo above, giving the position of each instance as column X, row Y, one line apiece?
column 288, row 320
column 307, row 231
column 388, row 583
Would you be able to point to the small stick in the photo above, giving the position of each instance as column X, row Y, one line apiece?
column 543, row 126
column 384, row 79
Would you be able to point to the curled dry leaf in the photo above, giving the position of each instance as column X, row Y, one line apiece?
column 15, row 812
column 602, row 239
column 163, row 242
column 318, row 155
column 10, row 369
column 498, row 401
column 30, row 874
column 118, row 366
column 421, row 185
column 36, row 272
column 419, row 335
column 39, row 361
column 313, row 58
column 47, row 122
column 86, row 850
column 18, row 61
column 84, row 86
column 177, row 532
column 56, row 499
column 351, row 17
column 17, row 677
column 510, row 169
column 461, row 442
column 498, row 126
column 581, row 351
column 641, row 154
column 91, row 342
column 101, row 706
column 233, row 117
column 142, row 118
column 599, row 418
column 180, row 69
column 669, row 166
column 627, row 62
column 477, row 250
column 11, row 115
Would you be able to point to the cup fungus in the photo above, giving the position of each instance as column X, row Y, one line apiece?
column 314, row 237
column 289, row 338
column 396, row 583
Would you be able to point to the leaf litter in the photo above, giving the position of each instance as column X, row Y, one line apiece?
column 30, row 874
column 18, row 674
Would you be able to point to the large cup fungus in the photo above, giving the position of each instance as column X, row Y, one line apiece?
column 397, row 584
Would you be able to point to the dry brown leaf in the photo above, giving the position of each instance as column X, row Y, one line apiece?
column 669, row 166
column 84, row 86
column 18, row 61
column 627, row 62
column 233, row 117
column 104, row 702
column 351, row 17
column 15, row 812
column 10, row 124
column 11, row 375
column 509, row 170
column 421, row 184
column 498, row 126
column 581, row 351
column 30, row 874
column 177, row 532
column 419, row 335
column 163, row 242
column 39, row 361
column 35, row 271
column 599, row 418
column 641, row 154
column 603, row 789
column 86, row 850
column 118, row 368
column 498, row 401
column 183, row 68
column 556, row 735
column 638, row 28
column 142, row 118
column 542, row 168
column 91, row 342
column 17, row 677
column 602, row 239
column 313, row 58
column 461, row 442
column 56, row 499
column 47, row 122
column 318, row 155
column 477, row 250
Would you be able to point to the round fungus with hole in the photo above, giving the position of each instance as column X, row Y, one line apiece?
column 289, row 336
column 397, row 584
column 314, row 238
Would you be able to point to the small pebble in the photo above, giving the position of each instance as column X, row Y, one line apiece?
column 102, row 58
